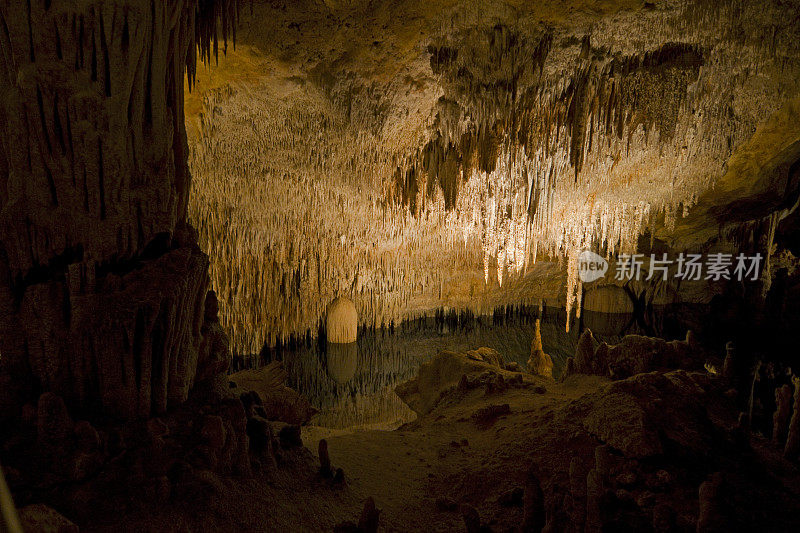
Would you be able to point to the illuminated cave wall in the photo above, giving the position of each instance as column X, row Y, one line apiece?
column 509, row 137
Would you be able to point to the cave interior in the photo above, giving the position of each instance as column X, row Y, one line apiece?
column 401, row 265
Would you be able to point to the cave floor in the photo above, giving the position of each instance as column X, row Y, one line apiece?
column 420, row 474
column 446, row 456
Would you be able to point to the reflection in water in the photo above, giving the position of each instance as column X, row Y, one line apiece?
column 341, row 361
column 353, row 384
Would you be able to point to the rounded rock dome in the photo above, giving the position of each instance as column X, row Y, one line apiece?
column 341, row 321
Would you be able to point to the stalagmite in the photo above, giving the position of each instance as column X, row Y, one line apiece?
column 585, row 353
column 729, row 364
column 713, row 512
column 533, row 519
column 370, row 517
column 783, row 410
column 792, row 448
column 325, row 469
column 539, row 362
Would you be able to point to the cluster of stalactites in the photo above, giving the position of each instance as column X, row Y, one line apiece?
column 211, row 18
column 299, row 199
column 574, row 152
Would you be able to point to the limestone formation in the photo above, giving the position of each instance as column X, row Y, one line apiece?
column 634, row 354
column 370, row 517
column 368, row 163
column 539, row 362
column 39, row 517
column 214, row 356
column 792, row 448
column 325, row 469
column 338, row 477
column 783, row 410
column 266, row 387
column 713, row 515
column 487, row 355
column 341, row 321
column 729, row 364
column 569, row 368
column 533, row 519
column 451, row 192
column 102, row 284
column 584, row 353
column 451, row 370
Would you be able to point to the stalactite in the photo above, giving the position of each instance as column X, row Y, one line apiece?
column 538, row 145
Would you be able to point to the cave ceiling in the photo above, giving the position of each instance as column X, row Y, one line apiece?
column 415, row 155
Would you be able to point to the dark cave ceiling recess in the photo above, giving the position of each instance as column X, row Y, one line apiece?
column 412, row 156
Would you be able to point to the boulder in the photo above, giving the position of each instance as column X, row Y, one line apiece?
column 449, row 370
column 487, row 355
column 647, row 414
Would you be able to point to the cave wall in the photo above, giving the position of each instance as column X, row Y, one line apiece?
column 102, row 284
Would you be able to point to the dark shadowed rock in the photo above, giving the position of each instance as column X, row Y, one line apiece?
column 584, row 353
column 325, row 468
column 640, row 414
column 783, row 410
column 41, row 518
column 259, row 431
column 280, row 403
column 714, row 514
column 290, row 437
column 792, row 448
column 370, row 517
column 213, row 431
column 533, row 507
column 472, row 520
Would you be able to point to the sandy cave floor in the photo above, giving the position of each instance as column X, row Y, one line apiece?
column 446, row 456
